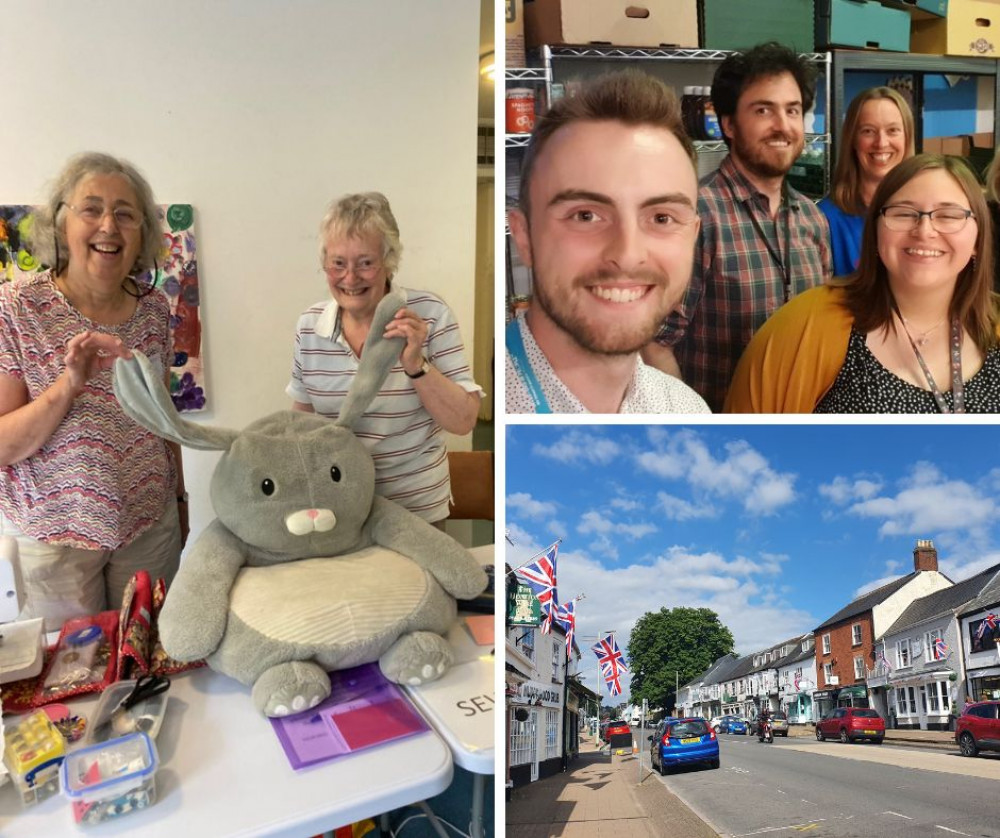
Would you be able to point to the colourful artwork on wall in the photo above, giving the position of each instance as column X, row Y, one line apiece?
column 176, row 276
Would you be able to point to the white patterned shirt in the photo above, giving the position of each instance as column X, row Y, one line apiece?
column 406, row 444
column 648, row 391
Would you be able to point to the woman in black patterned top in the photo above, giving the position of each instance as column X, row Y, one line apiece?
column 913, row 330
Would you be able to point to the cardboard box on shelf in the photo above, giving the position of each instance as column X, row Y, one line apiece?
column 972, row 27
column 514, row 42
column 861, row 23
column 735, row 24
column 628, row 23
column 958, row 146
column 984, row 140
column 920, row 9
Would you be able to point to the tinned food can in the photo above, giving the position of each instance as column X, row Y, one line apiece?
column 520, row 110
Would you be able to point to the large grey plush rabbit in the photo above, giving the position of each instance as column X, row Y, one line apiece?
column 305, row 569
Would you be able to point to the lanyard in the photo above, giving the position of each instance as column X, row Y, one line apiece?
column 957, row 385
column 519, row 358
column 783, row 262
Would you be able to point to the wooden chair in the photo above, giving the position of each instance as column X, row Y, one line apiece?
column 471, row 485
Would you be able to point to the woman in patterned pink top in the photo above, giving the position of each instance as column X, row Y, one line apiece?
column 89, row 496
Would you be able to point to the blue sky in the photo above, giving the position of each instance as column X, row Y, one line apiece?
column 774, row 527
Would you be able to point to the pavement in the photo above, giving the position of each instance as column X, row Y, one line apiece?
column 601, row 795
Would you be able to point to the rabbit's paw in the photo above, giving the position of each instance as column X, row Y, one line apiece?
column 290, row 688
column 416, row 658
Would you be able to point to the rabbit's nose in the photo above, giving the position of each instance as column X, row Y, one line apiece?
column 306, row 521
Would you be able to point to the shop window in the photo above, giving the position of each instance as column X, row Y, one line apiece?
column 551, row 733
column 856, row 634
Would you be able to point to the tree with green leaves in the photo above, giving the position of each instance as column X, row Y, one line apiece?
column 670, row 647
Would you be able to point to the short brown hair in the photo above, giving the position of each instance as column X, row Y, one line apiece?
column 628, row 96
column 868, row 296
column 846, row 191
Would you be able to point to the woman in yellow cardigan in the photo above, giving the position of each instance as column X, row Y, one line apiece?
column 913, row 330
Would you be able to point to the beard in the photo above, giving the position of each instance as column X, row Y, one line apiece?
column 606, row 338
column 764, row 162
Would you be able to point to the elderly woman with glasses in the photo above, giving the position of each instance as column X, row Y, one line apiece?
column 89, row 496
column 430, row 390
column 912, row 330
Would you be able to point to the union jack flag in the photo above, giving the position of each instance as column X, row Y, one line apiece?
column 989, row 621
column 940, row 649
column 612, row 662
column 540, row 576
column 566, row 617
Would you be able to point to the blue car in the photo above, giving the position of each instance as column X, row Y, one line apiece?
column 682, row 741
column 735, row 725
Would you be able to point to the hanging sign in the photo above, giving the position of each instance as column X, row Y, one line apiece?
column 525, row 609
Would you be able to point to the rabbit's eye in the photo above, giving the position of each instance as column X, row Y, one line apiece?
column 335, row 474
column 267, row 486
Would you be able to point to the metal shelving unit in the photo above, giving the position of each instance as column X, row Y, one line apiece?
column 915, row 64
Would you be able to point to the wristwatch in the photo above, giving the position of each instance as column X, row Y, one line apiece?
column 424, row 367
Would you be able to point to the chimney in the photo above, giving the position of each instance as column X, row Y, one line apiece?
column 924, row 555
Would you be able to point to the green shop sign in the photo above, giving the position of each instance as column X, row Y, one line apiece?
column 525, row 609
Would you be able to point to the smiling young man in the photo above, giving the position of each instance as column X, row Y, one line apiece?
column 607, row 223
column 760, row 242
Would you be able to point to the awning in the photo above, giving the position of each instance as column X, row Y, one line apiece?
column 921, row 678
column 860, row 692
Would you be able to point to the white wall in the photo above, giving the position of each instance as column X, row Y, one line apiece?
column 259, row 112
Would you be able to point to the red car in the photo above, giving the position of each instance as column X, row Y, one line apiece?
column 978, row 728
column 850, row 724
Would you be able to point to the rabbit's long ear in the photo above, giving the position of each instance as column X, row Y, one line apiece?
column 143, row 396
column 377, row 357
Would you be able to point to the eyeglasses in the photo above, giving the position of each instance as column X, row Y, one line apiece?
column 128, row 218
column 365, row 268
column 943, row 219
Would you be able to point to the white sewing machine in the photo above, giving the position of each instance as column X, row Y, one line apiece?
column 20, row 641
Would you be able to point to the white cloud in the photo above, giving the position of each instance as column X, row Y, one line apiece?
column 625, row 504
column 558, row 529
column 678, row 509
column 741, row 473
column 581, row 447
column 740, row 589
column 594, row 522
column 843, row 491
column 528, row 506
column 925, row 508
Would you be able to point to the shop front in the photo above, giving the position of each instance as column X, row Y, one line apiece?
column 984, row 684
column 535, row 715
column 922, row 701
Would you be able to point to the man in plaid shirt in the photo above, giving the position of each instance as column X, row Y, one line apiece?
column 761, row 242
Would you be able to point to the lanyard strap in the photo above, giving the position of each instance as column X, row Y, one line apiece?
column 519, row 358
column 783, row 261
column 957, row 385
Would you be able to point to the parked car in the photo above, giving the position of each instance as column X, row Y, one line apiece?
column 779, row 723
column 716, row 722
column 850, row 724
column 978, row 728
column 682, row 741
column 615, row 727
column 734, row 725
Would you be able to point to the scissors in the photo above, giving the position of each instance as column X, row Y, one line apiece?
column 120, row 720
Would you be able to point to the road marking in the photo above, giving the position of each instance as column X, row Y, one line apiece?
column 954, row 831
column 798, row 827
column 898, row 815
column 807, row 828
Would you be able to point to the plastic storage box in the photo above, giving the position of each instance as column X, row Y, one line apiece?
column 111, row 779
column 145, row 715
column 33, row 751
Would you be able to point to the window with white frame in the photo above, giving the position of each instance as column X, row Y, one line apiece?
column 525, row 641
column 906, row 702
column 856, row 634
column 826, row 644
column 551, row 733
column 556, row 659
column 903, row 658
column 859, row 668
column 827, row 672
column 522, row 737
column 929, row 638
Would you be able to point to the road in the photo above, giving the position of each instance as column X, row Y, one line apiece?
column 841, row 791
